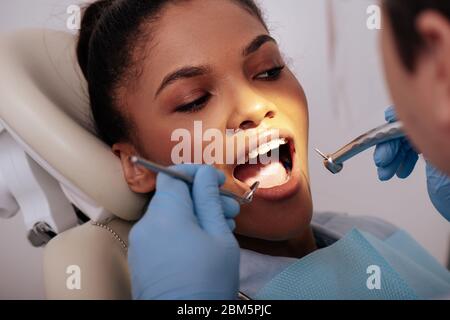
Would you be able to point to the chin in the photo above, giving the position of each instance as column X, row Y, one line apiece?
column 282, row 206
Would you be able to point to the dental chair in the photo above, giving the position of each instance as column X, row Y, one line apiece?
column 56, row 172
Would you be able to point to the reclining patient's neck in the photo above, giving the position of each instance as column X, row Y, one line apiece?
column 297, row 247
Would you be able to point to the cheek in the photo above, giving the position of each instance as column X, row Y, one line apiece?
column 295, row 96
column 294, row 108
column 154, row 133
column 154, row 142
column 169, row 133
column 290, row 99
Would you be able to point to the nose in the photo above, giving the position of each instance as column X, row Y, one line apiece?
column 250, row 110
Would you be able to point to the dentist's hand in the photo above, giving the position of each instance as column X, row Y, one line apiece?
column 184, row 247
column 438, row 185
column 397, row 157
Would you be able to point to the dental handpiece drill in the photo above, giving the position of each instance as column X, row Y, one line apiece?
column 335, row 162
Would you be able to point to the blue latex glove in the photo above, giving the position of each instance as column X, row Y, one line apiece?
column 439, row 190
column 397, row 157
column 184, row 247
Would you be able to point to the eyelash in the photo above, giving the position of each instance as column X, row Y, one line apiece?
column 276, row 76
column 194, row 106
column 197, row 105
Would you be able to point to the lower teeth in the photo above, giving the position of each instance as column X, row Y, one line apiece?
column 271, row 175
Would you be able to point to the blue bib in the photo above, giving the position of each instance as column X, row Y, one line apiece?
column 361, row 266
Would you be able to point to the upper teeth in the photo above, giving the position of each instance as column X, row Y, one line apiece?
column 265, row 148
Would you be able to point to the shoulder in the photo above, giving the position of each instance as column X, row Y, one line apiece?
column 93, row 255
column 340, row 224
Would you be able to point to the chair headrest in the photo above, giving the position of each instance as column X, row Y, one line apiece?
column 44, row 103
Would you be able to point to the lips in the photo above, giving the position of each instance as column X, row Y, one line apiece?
column 273, row 164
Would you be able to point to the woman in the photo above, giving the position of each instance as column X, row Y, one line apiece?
column 157, row 66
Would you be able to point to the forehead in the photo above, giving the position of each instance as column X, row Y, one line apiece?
column 200, row 32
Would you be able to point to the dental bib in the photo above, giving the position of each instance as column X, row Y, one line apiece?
column 360, row 266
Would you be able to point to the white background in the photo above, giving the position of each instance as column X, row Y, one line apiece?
column 346, row 98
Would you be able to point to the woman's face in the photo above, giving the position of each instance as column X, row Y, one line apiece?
column 214, row 62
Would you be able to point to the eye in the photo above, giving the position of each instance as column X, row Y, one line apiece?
column 194, row 106
column 270, row 75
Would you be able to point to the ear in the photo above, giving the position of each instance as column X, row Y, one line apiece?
column 140, row 180
column 434, row 28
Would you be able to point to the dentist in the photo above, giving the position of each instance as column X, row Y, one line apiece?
column 415, row 44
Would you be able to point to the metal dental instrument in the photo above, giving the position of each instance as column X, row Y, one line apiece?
column 245, row 199
column 335, row 162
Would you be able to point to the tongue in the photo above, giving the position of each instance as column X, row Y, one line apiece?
column 269, row 176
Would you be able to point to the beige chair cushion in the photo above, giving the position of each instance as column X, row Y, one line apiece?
column 100, row 255
column 43, row 103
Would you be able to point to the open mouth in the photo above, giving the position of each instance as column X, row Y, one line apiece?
column 271, row 164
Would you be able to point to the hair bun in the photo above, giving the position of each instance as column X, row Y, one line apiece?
column 91, row 16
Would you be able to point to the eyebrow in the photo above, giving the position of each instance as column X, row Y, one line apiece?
column 191, row 71
column 257, row 43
